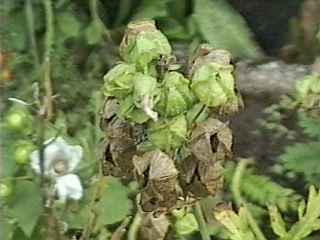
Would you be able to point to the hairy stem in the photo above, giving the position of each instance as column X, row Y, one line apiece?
column 235, row 189
column 201, row 221
column 47, row 55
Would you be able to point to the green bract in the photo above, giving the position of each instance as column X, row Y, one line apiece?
column 175, row 95
column 308, row 91
column 170, row 135
column 129, row 111
column 119, row 80
column 213, row 84
column 143, row 43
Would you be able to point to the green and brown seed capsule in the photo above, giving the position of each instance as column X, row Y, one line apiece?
column 143, row 43
column 175, row 95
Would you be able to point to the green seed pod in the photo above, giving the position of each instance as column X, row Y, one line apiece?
column 212, row 79
column 119, row 80
column 22, row 152
column 213, row 84
column 143, row 43
column 129, row 111
column 175, row 95
column 170, row 135
column 145, row 94
column 18, row 119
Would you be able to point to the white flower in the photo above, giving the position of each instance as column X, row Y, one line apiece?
column 59, row 158
column 68, row 187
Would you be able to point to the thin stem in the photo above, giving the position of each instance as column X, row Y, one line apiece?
column 201, row 221
column 31, row 31
column 46, row 61
column 236, row 191
column 134, row 227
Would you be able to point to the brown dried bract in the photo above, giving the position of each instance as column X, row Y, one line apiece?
column 210, row 146
column 156, row 172
column 154, row 228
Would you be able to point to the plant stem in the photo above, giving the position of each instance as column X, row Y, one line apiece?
column 46, row 61
column 201, row 221
column 134, row 227
column 235, row 189
column 31, row 31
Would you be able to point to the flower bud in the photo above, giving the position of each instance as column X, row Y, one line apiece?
column 22, row 152
column 18, row 119
column 5, row 190
column 175, row 95
column 143, row 43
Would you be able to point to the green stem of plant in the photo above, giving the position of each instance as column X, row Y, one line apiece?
column 31, row 31
column 236, row 191
column 47, row 56
column 134, row 227
column 93, row 6
column 201, row 221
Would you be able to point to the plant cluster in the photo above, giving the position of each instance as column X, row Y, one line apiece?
column 164, row 128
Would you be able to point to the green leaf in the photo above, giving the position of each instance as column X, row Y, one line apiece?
column 114, row 205
column 186, row 224
column 94, row 33
column 151, row 9
column 303, row 158
column 68, row 24
column 277, row 223
column 223, row 27
column 26, row 205
column 310, row 125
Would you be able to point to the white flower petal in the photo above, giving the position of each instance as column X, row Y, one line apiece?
column 76, row 154
column 57, row 150
column 68, row 187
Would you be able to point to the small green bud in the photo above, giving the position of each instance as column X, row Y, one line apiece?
column 169, row 135
column 119, row 80
column 22, row 153
column 5, row 190
column 175, row 96
column 143, row 43
column 18, row 119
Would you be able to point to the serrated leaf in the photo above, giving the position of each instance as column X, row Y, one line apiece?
column 26, row 205
column 224, row 28
column 68, row 24
column 303, row 158
column 114, row 205
column 311, row 126
column 277, row 223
